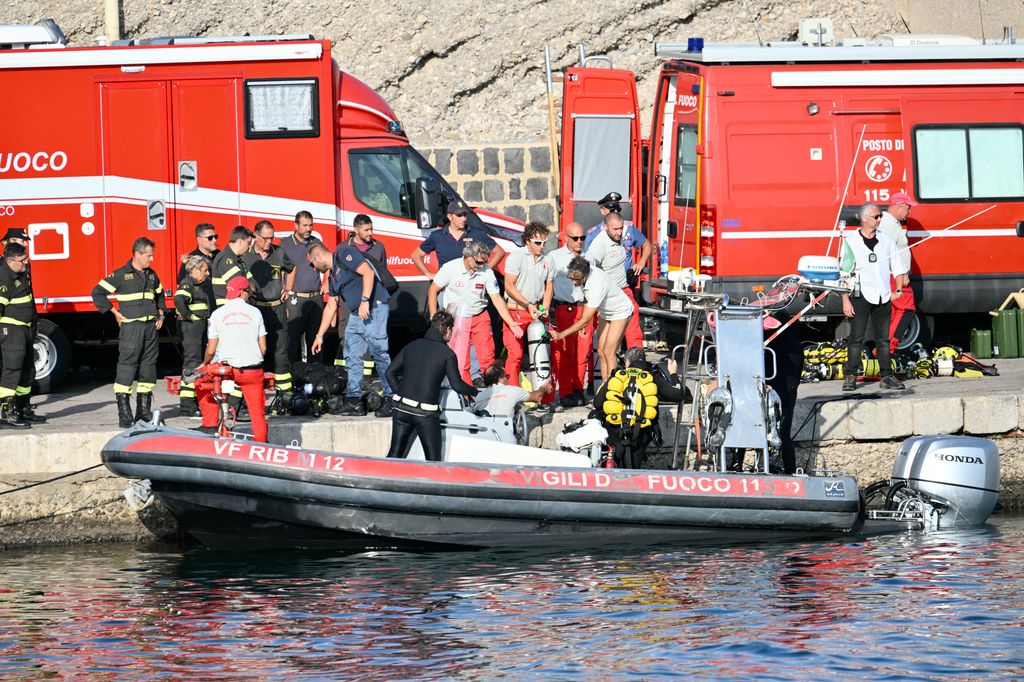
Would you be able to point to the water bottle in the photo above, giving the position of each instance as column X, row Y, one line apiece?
column 663, row 258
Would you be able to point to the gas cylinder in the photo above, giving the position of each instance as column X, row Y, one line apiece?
column 538, row 353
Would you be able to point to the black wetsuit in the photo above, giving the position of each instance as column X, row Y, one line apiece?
column 790, row 357
column 429, row 360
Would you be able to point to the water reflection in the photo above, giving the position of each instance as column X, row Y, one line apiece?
column 908, row 605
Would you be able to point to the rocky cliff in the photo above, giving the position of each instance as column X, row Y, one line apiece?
column 459, row 71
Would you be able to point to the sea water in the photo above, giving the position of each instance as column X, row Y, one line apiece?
column 908, row 606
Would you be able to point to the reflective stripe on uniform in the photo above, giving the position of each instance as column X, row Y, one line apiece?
column 107, row 285
column 149, row 318
column 7, row 392
column 144, row 387
column 11, row 320
column 141, row 296
column 121, row 388
column 23, row 390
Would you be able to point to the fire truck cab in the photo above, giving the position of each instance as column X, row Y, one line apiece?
column 151, row 137
column 761, row 154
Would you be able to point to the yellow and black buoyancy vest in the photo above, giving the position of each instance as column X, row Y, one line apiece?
column 631, row 398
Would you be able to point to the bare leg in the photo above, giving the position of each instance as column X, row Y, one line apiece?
column 609, row 337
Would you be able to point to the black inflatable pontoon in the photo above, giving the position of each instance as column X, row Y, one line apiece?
column 242, row 494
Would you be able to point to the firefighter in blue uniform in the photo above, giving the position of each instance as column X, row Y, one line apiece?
column 140, row 315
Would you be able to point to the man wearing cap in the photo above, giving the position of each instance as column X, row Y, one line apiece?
column 528, row 292
column 305, row 289
column 468, row 283
column 871, row 256
column 571, row 355
column 239, row 339
column 609, row 203
column 17, row 319
column 16, row 235
column 140, row 315
column 268, row 265
column 608, row 252
column 903, row 307
column 450, row 241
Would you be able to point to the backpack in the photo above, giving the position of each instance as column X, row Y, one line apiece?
column 380, row 271
column 968, row 366
column 631, row 398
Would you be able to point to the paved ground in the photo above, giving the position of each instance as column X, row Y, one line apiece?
column 86, row 403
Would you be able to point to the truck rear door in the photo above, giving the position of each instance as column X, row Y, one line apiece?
column 600, row 144
column 206, row 157
column 137, row 170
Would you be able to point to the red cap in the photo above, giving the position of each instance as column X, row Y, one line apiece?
column 236, row 285
column 902, row 198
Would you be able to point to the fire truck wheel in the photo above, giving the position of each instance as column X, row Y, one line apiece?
column 920, row 330
column 53, row 357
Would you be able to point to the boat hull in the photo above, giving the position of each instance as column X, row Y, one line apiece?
column 243, row 494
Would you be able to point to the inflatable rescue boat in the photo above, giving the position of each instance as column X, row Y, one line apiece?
column 230, row 492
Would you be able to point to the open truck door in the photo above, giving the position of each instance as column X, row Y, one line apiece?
column 600, row 144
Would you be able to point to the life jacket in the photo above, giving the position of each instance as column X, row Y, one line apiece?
column 631, row 398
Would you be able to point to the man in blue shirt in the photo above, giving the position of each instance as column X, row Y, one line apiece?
column 353, row 279
column 450, row 241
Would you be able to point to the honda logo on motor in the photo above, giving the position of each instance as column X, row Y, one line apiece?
column 962, row 459
column 20, row 162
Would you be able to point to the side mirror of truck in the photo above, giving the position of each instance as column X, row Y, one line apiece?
column 427, row 203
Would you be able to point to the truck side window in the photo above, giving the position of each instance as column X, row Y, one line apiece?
column 686, row 165
column 378, row 178
column 280, row 107
column 969, row 163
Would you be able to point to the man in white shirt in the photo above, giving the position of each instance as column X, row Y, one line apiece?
column 528, row 290
column 872, row 257
column 607, row 252
column 500, row 398
column 903, row 307
column 238, row 338
column 602, row 299
column 571, row 356
column 468, row 282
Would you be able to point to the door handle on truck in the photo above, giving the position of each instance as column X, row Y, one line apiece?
column 1020, row 228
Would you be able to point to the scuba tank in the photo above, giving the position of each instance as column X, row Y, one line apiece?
column 538, row 353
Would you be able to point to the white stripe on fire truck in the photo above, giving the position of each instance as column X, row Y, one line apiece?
column 804, row 234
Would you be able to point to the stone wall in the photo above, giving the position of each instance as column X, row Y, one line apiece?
column 511, row 179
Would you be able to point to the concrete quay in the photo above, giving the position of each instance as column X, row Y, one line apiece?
column 855, row 433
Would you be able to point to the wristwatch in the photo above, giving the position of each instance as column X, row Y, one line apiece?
column 365, row 299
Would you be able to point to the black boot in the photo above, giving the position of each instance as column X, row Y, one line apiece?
column 23, row 408
column 9, row 416
column 143, row 407
column 279, row 405
column 352, row 407
column 385, row 407
column 124, row 410
column 188, row 407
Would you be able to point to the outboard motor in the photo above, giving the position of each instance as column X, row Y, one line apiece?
column 957, row 476
column 538, row 353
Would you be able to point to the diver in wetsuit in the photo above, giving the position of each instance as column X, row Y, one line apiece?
column 415, row 409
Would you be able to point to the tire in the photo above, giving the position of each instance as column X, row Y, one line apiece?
column 921, row 330
column 52, row 357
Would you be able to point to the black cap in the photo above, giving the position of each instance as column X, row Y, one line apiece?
column 17, row 233
column 457, row 207
column 611, row 201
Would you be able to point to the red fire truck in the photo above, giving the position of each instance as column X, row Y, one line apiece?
column 758, row 152
column 150, row 137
